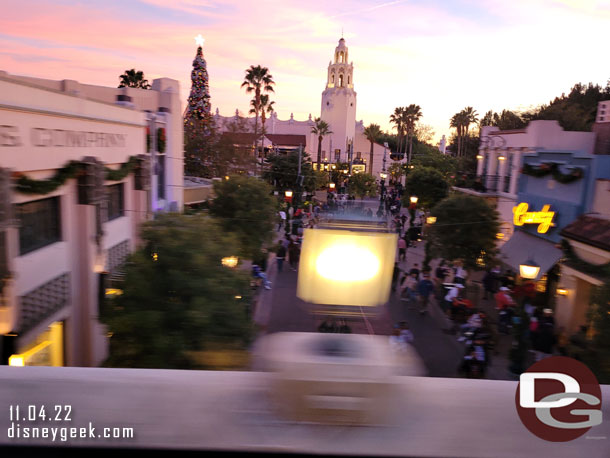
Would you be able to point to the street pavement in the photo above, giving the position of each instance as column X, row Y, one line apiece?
column 279, row 310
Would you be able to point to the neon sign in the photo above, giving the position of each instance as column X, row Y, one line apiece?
column 544, row 218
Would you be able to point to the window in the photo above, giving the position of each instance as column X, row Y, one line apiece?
column 40, row 224
column 341, row 80
column 116, row 207
column 359, row 155
column 161, row 177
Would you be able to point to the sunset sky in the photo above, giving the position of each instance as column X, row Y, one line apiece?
column 441, row 55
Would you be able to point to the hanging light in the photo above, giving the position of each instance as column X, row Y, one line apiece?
column 529, row 269
column 230, row 261
column 414, row 199
column 562, row 291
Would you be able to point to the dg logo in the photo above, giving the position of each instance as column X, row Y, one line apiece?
column 559, row 399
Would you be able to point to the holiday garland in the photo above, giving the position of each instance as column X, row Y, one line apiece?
column 574, row 261
column 72, row 169
column 553, row 168
column 161, row 140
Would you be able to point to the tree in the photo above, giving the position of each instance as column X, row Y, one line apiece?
column 283, row 169
column 362, row 185
column 133, row 78
column 247, row 208
column 457, row 122
column 428, row 185
column 397, row 118
column 266, row 109
column 257, row 80
column 200, row 134
column 372, row 133
column 177, row 298
column 412, row 114
column 424, row 133
column 470, row 117
column 321, row 129
column 465, row 228
column 425, row 155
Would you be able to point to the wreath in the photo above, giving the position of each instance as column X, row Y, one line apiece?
column 552, row 168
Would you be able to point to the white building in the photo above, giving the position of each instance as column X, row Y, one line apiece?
column 60, row 242
column 338, row 109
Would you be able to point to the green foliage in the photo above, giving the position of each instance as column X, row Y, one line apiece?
column 133, row 78
column 183, row 301
column 597, row 356
column 575, row 111
column 428, row 185
column 425, row 155
column 465, row 228
column 283, row 170
column 506, row 120
column 72, row 169
column 247, row 208
column 362, row 185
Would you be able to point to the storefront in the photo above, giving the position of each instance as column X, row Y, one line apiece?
column 554, row 189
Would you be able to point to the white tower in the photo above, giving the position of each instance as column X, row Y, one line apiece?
column 339, row 104
column 442, row 147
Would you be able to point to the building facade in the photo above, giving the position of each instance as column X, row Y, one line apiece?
column 81, row 167
column 338, row 109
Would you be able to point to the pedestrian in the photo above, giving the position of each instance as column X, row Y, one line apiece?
column 405, row 332
column 415, row 271
column 282, row 220
column 258, row 273
column 505, row 306
column 424, row 288
column 460, row 274
column 293, row 255
column 454, row 293
column 409, row 292
column 280, row 256
column 402, row 249
column 395, row 276
column 488, row 284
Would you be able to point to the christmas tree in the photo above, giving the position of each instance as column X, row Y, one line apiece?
column 198, row 110
column 198, row 121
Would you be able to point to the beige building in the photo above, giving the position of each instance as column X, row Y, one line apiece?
column 81, row 167
column 338, row 109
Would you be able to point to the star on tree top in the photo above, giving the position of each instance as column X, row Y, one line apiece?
column 199, row 40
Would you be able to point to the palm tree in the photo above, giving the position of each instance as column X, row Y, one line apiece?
column 131, row 78
column 412, row 115
column 372, row 133
column 470, row 116
column 266, row 108
column 398, row 120
column 321, row 129
column 458, row 122
column 257, row 80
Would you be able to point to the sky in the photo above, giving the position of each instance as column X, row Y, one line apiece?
column 440, row 55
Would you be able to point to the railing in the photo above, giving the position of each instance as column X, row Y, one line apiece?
column 483, row 183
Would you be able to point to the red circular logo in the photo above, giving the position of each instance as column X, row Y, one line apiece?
column 559, row 399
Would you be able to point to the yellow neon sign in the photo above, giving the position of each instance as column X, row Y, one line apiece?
column 544, row 218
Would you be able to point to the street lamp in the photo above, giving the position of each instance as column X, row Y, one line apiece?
column 431, row 219
column 383, row 175
column 414, row 199
column 288, row 196
column 230, row 261
column 529, row 270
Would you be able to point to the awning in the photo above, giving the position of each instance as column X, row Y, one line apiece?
column 522, row 247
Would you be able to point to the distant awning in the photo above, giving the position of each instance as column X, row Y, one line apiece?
column 523, row 246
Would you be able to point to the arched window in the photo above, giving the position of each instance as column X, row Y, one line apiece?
column 342, row 57
column 348, row 80
column 336, row 57
column 341, row 80
column 332, row 78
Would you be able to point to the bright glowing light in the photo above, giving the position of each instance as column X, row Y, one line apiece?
column 230, row 261
column 113, row 292
column 199, row 40
column 331, row 185
column 431, row 219
column 500, row 235
column 155, row 257
column 479, row 157
column 529, row 270
column 562, row 291
column 288, row 193
column 413, row 199
column 501, row 158
column 347, row 262
column 16, row 360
